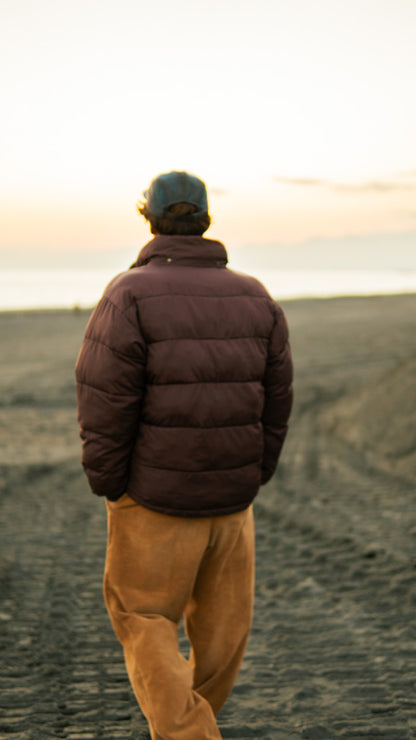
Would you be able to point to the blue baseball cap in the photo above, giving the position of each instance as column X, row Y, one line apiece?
column 170, row 188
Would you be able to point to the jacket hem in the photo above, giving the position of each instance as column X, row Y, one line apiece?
column 193, row 513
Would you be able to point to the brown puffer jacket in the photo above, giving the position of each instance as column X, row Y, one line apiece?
column 184, row 382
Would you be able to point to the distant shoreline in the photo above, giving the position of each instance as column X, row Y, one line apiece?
column 24, row 289
column 50, row 310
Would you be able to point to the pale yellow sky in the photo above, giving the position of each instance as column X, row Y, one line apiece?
column 300, row 117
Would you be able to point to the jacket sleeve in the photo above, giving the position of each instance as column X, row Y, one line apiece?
column 278, row 394
column 110, row 379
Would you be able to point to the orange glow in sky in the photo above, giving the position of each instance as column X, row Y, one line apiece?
column 299, row 116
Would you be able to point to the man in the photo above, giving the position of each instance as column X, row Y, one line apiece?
column 184, row 393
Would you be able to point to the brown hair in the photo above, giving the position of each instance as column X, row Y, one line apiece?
column 179, row 220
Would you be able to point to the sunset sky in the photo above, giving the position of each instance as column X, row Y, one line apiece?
column 300, row 116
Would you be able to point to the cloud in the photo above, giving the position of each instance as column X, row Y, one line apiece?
column 217, row 191
column 372, row 186
column 302, row 181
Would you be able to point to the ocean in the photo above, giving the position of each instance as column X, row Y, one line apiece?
column 70, row 288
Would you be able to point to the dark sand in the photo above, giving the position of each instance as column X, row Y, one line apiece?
column 332, row 652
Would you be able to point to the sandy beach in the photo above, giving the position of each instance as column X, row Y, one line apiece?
column 332, row 652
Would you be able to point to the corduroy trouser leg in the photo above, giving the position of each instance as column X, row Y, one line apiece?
column 159, row 568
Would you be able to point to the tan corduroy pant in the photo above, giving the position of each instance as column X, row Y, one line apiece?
column 159, row 568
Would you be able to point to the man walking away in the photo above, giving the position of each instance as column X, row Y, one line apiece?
column 184, row 394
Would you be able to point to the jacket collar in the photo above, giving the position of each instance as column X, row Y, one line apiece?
column 186, row 250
